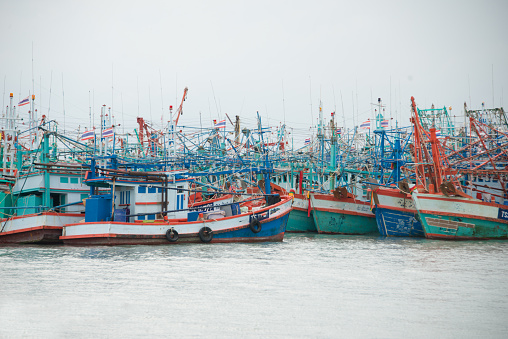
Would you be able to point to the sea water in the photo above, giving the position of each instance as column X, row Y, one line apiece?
column 317, row 286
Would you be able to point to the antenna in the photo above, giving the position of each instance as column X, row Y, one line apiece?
column 162, row 99
column 20, row 78
column 137, row 88
column 390, row 101
column 283, row 104
column 469, row 86
column 50, row 84
column 63, row 104
column 33, row 86
column 343, row 113
column 356, row 90
column 112, row 89
column 123, row 118
column 353, row 100
column 3, row 96
column 334, row 103
column 310, row 96
column 89, row 109
column 372, row 116
column 150, row 105
column 493, row 102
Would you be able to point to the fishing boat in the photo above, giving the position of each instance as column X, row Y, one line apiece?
column 342, row 213
column 396, row 214
column 300, row 218
column 43, row 195
column 444, row 209
column 152, row 208
column 461, row 218
column 265, row 224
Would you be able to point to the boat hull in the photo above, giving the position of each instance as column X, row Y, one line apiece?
column 39, row 228
column 396, row 214
column 299, row 219
column 342, row 216
column 458, row 218
column 226, row 230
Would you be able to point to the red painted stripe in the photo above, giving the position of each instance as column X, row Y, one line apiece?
column 339, row 211
column 463, row 201
column 392, row 193
column 332, row 198
column 464, row 216
column 206, row 202
column 397, row 209
column 29, row 229
column 149, row 203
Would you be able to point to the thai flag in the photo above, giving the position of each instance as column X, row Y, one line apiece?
column 88, row 135
column 438, row 134
column 307, row 141
column 220, row 124
column 338, row 131
column 107, row 132
column 365, row 125
column 24, row 102
column 384, row 123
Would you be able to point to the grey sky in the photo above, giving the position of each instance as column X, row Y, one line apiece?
column 247, row 52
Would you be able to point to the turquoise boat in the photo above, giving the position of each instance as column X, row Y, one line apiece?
column 461, row 218
column 301, row 218
column 342, row 216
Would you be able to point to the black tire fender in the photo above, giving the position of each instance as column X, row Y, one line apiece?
column 172, row 235
column 255, row 225
column 205, row 234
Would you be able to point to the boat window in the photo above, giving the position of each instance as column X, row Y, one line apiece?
column 152, row 190
column 141, row 190
column 128, row 197
column 159, row 190
column 141, row 217
column 64, row 180
column 74, row 180
column 179, row 189
column 150, row 217
column 285, row 178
